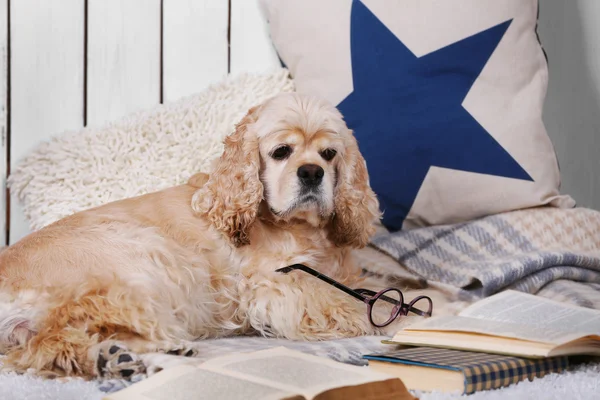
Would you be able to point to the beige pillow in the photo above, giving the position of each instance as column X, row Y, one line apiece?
column 445, row 98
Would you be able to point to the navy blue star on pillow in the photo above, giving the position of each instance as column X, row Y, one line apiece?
column 407, row 114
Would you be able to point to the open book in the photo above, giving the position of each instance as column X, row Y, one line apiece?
column 264, row 375
column 511, row 323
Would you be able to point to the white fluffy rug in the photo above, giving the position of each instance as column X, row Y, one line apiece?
column 141, row 153
column 20, row 387
column 581, row 384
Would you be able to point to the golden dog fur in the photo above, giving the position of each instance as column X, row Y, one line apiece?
column 147, row 274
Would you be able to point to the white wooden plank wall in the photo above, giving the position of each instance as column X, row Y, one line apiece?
column 194, row 45
column 251, row 48
column 123, row 58
column 88, row 62
column 46, row 78
column 3, row 116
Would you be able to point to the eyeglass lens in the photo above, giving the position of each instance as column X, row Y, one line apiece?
column 385, row 307
column 421, row 306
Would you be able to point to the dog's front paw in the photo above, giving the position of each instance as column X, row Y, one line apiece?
column 116, row 361
column 183, row 350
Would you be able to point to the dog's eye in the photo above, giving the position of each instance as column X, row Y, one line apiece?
column 328, row 154
column 281, row 153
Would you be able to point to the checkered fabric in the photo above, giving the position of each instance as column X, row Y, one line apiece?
column 481, row 371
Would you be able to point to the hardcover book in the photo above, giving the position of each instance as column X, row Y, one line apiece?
column 445, row 370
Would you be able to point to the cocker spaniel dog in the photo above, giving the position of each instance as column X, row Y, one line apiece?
column 94, row 293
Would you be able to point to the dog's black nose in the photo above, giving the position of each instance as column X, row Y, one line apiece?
column 310, row 174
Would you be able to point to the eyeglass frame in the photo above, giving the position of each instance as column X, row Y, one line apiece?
column 400, row 307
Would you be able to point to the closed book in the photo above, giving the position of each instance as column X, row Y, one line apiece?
column 446, row 370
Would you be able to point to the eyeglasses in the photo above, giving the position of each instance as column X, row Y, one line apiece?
column 383, row 307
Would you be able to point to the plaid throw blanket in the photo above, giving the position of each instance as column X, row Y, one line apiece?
column 547, row 251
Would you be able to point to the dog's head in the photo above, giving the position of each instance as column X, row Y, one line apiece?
column 295, row 153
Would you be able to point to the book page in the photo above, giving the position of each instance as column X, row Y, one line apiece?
column 294, row 371
column 495, row 328
column 185, row 382
column 534, row 311
column 522, row 316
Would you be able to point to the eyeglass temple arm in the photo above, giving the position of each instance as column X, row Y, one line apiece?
column 325, row 278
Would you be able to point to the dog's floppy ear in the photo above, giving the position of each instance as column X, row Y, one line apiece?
column 198, row 180
column 356, row 208
column 231, row 197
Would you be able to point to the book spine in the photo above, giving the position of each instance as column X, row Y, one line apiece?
column 497, row 374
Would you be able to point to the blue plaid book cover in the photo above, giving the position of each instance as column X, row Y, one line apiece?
column 481, row 371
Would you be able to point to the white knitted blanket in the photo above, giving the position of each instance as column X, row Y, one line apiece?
column 141, row 153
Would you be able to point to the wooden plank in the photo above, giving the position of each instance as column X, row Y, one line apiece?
column 46, row 79
column 123, row 58
column 195, row 45
column 251, row 48
column 3, row 115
